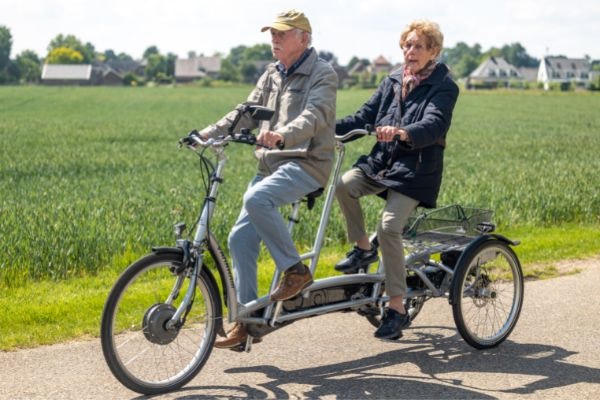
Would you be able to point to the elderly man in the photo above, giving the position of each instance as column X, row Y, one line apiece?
column 302, row 89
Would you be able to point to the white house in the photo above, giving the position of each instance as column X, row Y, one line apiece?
column 561, row 70
column 189, row 69
column 65, row 74
column 495, row 72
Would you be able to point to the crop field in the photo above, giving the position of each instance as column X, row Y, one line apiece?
column 90, row 178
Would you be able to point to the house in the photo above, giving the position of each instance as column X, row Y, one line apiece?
column 80, row 74
column 494, row 72
column 124, row 67
column 67, row 74
column 104, row 74
column 190, row 69
column 342, row 74
column 564, row 71
column 381, row 64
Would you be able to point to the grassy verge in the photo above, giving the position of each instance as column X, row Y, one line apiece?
column 47, row 312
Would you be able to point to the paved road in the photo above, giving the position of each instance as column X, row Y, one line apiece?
column 553, row 352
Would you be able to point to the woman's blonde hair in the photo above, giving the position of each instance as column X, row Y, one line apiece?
column 430, row 30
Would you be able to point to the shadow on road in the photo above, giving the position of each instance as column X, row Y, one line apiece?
column 435, row 355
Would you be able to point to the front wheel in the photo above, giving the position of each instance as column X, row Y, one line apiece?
column 487, row 293
column 144, row 353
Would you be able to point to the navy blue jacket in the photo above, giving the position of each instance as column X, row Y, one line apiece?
column 412, row 168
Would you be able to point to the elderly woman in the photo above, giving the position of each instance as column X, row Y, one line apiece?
column 411, row 112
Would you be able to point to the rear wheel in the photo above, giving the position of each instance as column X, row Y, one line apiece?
column 487, row 293
column 143, row 352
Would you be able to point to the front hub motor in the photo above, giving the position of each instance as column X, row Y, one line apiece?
column 155, row 324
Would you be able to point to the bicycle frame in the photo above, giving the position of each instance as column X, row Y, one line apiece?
column 272, row 314
column 272, row 311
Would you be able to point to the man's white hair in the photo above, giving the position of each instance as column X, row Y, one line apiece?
column 300, row 32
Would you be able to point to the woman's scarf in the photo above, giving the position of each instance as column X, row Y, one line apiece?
column 411, row 81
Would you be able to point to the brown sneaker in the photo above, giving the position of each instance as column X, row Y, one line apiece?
column 237, row 335
column 292, row 283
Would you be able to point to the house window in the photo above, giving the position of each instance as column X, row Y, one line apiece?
column 584, row 75
column 556, row 75
column 513, row 73
column 491, row 74
column 570, row 74
column 502, row 73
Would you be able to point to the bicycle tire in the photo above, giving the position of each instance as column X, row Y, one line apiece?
column 487, row 293
column 143, row 355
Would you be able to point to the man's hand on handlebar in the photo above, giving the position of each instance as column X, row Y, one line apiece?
column 270, row 139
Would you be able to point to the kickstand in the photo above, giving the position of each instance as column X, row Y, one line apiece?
column 248, row 346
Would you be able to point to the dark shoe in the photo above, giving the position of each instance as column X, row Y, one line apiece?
column 294, row 280
column 392, row 324
column 356, row 259
column 236, row 336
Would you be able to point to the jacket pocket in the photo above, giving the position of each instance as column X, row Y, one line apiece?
column 292, row 102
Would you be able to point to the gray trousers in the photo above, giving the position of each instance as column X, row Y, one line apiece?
column 260, row 220
column 349, row 189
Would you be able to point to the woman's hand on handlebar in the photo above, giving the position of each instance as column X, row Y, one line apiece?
column 391, row 133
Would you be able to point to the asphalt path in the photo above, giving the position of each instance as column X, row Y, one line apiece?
column 554, row 352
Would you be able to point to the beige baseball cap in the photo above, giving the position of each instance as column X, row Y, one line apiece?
column 289, row 20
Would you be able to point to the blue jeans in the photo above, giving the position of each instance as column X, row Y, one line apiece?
column 260, row 220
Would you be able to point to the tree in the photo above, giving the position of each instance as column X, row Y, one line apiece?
column 87, row 50
column 240, row 64
column 124, row 57
column 248, row 71
column 462, row 58
column 236, row 55
column 64, row 55
column 329, row 57
column 5, row 46
column 170, row 60
column 109, row 55
column 228, row 71
column 258, row 52
column 355, row 60
column 157, row 64
column 28, row 64
column 6, row 67
column 149, row 51
column 514, row 54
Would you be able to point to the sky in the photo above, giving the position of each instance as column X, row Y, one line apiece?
column 363, row 28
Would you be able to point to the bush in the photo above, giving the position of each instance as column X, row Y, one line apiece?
column 131, row 79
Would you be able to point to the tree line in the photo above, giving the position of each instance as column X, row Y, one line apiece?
column 242, row 64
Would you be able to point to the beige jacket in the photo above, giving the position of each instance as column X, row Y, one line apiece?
column 304, row 105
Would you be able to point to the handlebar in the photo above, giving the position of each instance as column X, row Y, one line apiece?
column 353, row 135
column 358, row 133
column 194, row 139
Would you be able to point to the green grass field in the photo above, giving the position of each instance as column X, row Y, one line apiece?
column 90, row 178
